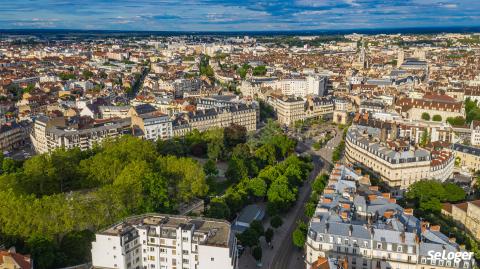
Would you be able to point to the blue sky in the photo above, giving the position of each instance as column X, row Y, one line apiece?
column 236, row 15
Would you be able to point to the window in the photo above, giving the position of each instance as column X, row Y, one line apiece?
column 389, row 247
column 346, row 241
column 424, row 260
column 433, row 262
column 399, row 249
column 331, row 239
column 339, row 240
column 185, row 252
column 379, row 245
column 212, row 259
column 185, row 260
column 365, row 244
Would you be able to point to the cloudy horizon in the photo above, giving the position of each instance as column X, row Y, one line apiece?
column 249, row 15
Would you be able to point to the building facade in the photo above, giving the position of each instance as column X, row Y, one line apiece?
column 157, row 241
column 291, row 109
column 355, row 221
column 395, row 161
column 466, row 214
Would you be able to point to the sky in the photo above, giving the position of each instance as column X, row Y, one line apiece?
column 236, row 15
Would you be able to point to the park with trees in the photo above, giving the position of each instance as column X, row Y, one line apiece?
column 52, row 204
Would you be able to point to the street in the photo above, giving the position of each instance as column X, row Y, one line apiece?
column 284, row 254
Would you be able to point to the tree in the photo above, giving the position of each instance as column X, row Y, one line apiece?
column 257, row 253
column 266, row 154
column 234, row 135
column 76, row 247
column 425, row 116
column 9, row 165
column 210, row 168
column 276, row 221
column 237, row 170
column 42, row 250
column 155, row 193
column 310, row 209
column 457, row 121
column 269, row 235
column 437, row 118
column 258, row 227
column 249, row 238
column 299, row 238
column 186, row 177
column 454, row 192
column 280, row 195
column 218, row 209
column 87, row 74
column 429, row 194
column 425, row 139
column 320, row 183
column 257, row 187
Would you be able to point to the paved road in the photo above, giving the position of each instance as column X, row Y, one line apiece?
column 289, row 256
column 285, row 255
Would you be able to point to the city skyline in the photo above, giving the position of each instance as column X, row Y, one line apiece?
column 213, row 15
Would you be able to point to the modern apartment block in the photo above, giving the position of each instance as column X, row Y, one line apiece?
column 395, row 160
column 355, row 221
column 301, row 87
column 156, row 241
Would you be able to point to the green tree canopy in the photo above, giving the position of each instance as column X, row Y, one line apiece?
column 425, row 116
column 437, row 118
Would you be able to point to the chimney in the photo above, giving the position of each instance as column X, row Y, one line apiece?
column 372, row 197
column 402, row 237
column 386, row 195
column 327, row 200
column 392, row 200
column 408, row 211
column 388, row 214
column 373, row 188
column 346, row 206
column 435, row 228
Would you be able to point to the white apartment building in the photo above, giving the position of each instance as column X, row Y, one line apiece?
column 156, row 241
column 153, row 126
column 475, row 133
column 311, row 85
column 50, row 134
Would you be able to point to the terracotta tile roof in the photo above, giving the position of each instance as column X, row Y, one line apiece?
column 447, row 207
column 462, row 206
column 22, row 260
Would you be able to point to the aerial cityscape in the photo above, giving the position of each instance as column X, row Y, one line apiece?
column 224, row 135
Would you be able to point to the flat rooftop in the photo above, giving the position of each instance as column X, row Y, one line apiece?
column 217, row 231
